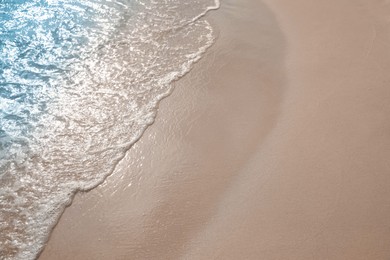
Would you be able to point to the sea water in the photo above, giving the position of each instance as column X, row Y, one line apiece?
column 79, row 83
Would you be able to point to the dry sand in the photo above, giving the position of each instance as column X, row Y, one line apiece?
column 276, row 146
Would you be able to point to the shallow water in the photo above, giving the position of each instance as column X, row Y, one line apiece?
column 79, row 83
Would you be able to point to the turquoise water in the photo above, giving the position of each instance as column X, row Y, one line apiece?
column 40, row 42
column 79, row 83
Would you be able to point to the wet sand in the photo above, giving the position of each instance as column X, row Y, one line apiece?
column 275, row 146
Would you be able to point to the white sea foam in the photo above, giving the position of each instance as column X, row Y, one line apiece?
column 95, row 108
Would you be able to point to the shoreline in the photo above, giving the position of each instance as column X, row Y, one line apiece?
column 203, row 96
column 274, row 145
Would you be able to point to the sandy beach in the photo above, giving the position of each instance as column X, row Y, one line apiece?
column 275, row 146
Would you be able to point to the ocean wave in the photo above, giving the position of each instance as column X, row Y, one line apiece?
column 79, row 83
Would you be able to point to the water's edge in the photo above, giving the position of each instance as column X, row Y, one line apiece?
column 80, row 82
column 126, row 149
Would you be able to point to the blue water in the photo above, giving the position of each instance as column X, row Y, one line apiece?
column 40, row 43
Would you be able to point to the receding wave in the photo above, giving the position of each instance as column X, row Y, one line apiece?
column 79, row 83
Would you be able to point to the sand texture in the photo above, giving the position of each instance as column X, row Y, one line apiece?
column 275, row 146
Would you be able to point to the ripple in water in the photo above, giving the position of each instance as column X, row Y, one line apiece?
column 79, row 83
